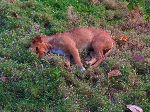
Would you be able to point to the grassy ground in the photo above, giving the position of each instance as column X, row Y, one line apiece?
column 29, row 84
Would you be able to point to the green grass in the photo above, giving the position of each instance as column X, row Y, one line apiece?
column 42, row 86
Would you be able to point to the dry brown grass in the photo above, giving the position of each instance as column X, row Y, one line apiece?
column 94, row 2
column 11, row 1
column 73, row 17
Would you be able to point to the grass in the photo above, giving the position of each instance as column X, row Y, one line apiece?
column 46, row 86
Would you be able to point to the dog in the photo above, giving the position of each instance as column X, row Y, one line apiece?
column 72, row 43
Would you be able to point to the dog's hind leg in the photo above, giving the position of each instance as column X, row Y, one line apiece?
column 112, row 49
column 92, row 60
column 100, row 59
column 98, row 49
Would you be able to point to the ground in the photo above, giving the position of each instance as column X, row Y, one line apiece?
column 30, row 84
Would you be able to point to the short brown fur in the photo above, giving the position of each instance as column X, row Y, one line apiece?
column 74, row 42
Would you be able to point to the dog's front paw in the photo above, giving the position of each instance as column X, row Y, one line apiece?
column 82, row 69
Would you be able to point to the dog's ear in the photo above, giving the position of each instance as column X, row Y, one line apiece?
column 37, row 39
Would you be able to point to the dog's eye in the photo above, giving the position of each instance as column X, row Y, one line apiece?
column 37, row 49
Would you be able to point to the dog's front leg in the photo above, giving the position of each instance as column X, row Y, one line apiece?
column 75, row 53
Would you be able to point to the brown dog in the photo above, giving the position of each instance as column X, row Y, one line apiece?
column 74, row 42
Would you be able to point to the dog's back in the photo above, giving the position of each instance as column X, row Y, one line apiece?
column 83, row 37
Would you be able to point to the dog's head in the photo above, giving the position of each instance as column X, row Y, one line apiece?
column 39, row 47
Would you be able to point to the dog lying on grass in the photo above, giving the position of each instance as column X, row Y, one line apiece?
column 74, row 42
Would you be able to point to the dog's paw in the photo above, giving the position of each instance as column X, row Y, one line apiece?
column 82, row 69
column 88, row 63
column 42, row 59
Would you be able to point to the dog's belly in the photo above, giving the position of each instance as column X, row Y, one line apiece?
column 58, row 52
column 84, row 46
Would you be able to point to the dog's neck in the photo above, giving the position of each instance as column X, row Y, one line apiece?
column 55, row 49
column 53, row 41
